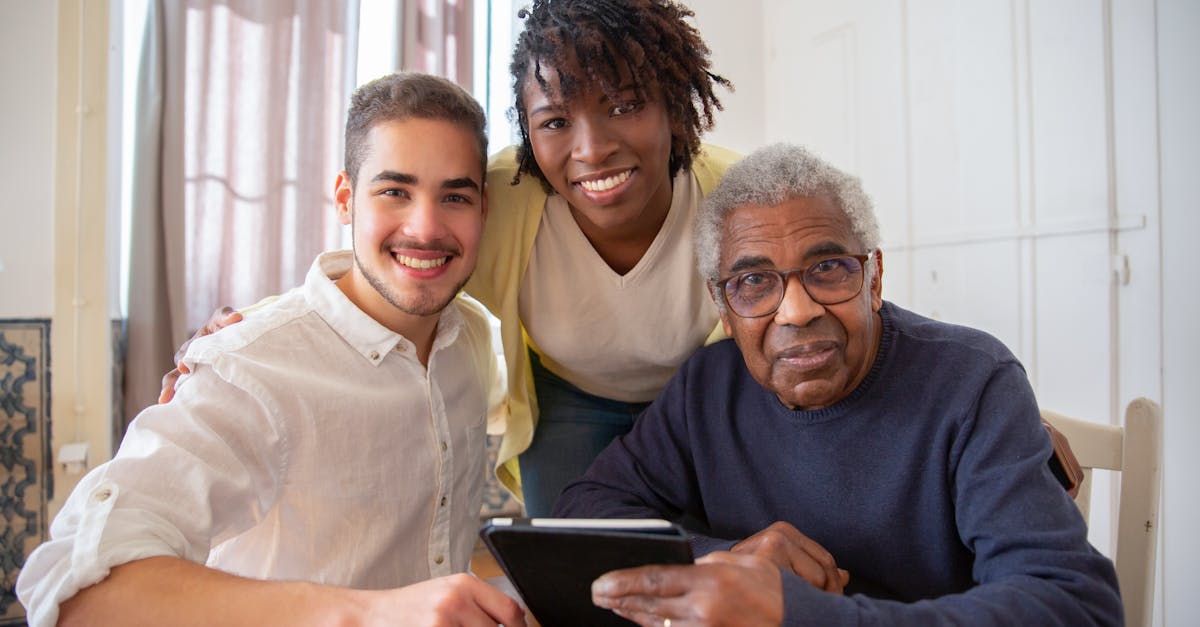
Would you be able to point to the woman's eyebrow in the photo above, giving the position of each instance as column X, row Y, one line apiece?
column 552, row 107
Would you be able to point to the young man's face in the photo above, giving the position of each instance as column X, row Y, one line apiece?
column 417, row 208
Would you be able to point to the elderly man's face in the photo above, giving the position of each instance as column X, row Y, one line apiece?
column 810, row 355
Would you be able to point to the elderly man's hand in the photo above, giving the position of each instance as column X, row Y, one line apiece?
column 719, row 589
column 784, row 545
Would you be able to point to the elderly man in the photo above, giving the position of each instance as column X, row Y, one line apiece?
column 839, row 430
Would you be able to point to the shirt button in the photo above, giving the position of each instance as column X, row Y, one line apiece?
column 443, row 445
column 438, row 560
column 103, row 494
column 374, row 355
column 443, row 502
column 401, row 348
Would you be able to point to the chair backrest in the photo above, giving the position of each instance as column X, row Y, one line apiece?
column 1134, row 450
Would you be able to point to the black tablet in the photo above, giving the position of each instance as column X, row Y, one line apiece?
column 552, row 562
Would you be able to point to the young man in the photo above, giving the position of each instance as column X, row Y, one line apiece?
column 324, row 459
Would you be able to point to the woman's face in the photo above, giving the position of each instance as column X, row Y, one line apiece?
column 609, row 159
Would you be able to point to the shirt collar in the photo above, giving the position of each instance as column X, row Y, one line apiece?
column 370, row 338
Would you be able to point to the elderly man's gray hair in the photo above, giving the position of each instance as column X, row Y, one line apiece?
column 768, row 177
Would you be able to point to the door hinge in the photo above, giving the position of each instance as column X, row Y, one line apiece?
column 1120, row 268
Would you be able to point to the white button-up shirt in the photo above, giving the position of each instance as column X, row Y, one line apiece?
column 309, row 443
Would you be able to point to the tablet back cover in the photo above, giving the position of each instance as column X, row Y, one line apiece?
column 553, row 567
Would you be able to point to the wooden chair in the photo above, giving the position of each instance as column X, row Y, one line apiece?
column 1134, row 450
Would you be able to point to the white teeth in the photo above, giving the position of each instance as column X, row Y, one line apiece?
column 420, row 264
column 603, row 185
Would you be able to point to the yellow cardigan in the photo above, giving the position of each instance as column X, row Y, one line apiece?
column 514, row 214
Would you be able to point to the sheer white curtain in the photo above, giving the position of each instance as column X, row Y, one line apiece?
column 437, row 39
column 264, row 90
column 240, row 117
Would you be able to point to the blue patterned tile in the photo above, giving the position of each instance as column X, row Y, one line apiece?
column 26, row 482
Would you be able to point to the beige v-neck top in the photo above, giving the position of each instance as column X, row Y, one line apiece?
column 512, row 226
column 617, row 336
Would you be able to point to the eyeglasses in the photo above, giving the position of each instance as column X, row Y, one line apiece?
column 828, row 281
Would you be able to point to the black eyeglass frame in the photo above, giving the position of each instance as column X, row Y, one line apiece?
column 719, row 284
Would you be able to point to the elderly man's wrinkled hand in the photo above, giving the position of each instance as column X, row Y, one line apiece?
column 719, row 589
column 789, row 549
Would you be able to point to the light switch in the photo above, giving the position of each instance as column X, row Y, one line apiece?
column 73, row 457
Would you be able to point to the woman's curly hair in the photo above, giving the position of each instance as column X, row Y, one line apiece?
column 648, row 37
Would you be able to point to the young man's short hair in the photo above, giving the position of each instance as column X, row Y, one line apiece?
column 404, row 95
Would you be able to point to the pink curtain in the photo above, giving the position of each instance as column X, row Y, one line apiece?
column 234, row 167
column 264, row 94
column 437, row 38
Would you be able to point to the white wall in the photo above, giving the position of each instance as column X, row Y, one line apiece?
column 1179, row 134
column 729, row 29
column 28, row 44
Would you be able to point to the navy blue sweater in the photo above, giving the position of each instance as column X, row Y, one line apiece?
column 929, row 483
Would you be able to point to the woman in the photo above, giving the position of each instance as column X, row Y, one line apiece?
column 587, row 260
column 587, row 253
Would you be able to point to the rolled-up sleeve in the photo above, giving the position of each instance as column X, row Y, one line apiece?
column 187, row 474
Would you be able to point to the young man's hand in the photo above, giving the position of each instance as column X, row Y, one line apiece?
column 173, row 591
column 453, row 600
